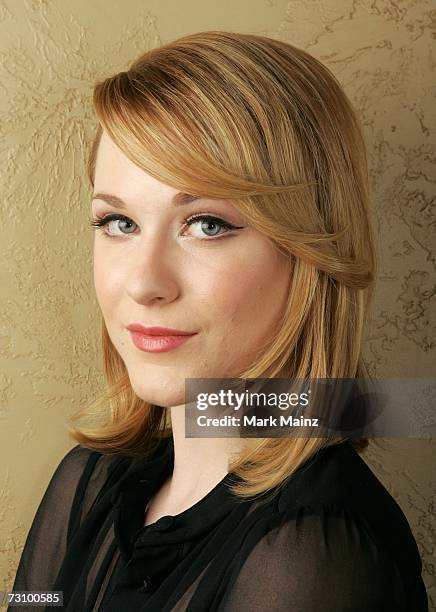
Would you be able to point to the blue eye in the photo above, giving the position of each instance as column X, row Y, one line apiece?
column 102, row 221
column 206, row 223
column 209, row 223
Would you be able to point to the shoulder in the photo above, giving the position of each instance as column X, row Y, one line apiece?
column 319, row 550
column 338, row 477
column 67, row 474
column 49, row 533
column 71, row 469
column 334, row 475
column 73, row 462
column 81, row 462
column 319, row 559
column 87, row 472
column 335, row 514
column 77, row 481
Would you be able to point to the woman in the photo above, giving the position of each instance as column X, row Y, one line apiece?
column 231, row 206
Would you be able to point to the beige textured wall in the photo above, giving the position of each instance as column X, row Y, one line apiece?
column 51, row 51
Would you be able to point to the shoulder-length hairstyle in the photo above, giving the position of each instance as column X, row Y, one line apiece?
column 259, row 122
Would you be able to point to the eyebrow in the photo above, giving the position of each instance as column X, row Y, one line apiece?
column 179, row 199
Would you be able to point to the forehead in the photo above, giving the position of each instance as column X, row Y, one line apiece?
column 116, row 173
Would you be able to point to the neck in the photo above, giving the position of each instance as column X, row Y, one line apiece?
column 199, row 463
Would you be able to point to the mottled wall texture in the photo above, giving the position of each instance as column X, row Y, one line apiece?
column 51, row 52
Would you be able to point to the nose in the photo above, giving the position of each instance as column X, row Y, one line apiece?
column 152, row 274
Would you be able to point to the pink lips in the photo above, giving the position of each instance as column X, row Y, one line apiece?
column 157, row 339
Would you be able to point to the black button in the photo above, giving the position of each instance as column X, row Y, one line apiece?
column 147, row 585
column 164, row 523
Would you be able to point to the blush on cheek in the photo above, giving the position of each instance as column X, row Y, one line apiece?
column 102, row 293
column 109, row 282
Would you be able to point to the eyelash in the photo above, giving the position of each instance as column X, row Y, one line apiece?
column 100, row 222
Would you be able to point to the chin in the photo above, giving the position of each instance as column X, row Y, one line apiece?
column 155, row 393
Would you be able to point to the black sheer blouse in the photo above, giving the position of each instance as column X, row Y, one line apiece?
column 331, row 540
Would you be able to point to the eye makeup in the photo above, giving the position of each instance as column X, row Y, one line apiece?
column 101, row 221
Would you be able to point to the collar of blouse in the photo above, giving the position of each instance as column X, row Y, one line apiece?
column 155, row 549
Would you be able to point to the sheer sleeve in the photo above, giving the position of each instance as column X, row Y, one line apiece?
column 47, row 538
column 318, row 561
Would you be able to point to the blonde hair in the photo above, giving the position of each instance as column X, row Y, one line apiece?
column 264, row 124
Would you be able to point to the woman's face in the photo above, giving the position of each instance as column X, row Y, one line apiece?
column 227, row 286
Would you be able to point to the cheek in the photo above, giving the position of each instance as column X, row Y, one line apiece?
column 107, row 281
column 250, row 293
